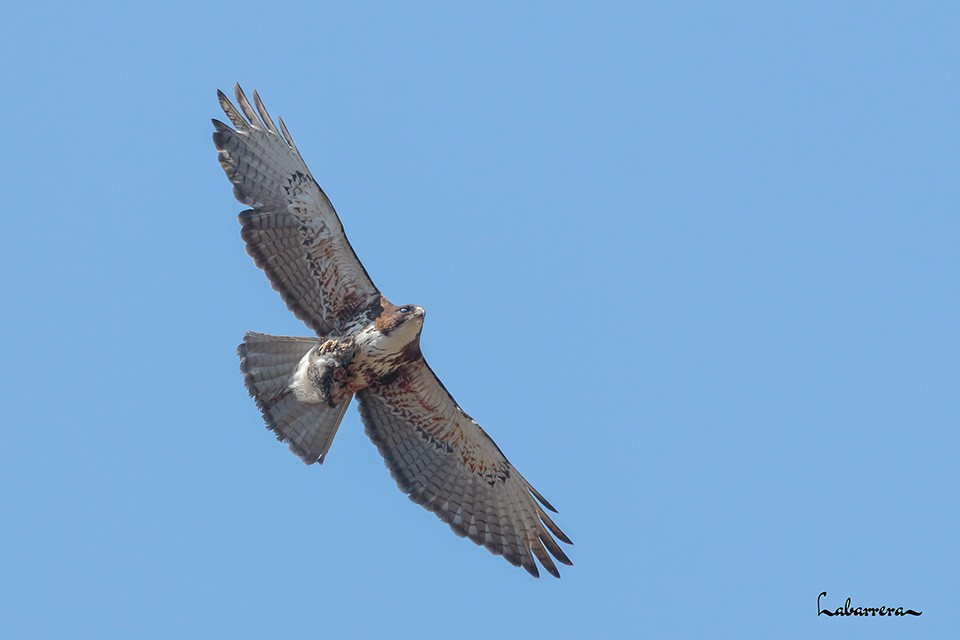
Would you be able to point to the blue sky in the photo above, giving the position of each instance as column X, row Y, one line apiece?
column 694, row 267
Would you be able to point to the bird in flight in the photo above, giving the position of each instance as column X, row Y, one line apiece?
column 366, row 347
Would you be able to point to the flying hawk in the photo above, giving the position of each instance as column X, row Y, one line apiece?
column 368, row 348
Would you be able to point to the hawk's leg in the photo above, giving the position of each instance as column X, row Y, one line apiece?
column 330, row 371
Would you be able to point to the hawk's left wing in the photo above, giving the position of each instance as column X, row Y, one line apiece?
column 291, row 230
column 444, row 461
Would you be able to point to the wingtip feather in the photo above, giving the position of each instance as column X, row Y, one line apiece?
column 248, row 111
column 264, row 115
column 541, row 554
column 555, row 549
column 552, row 526
column 541, row 499
column 286, row 135
column 232, row 114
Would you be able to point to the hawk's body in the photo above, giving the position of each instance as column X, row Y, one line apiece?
column 367, row 347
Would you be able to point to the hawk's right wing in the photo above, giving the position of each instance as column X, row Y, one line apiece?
column 291, row 230
column 444, row 461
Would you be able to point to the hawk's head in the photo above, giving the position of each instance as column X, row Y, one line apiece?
column 407, row 319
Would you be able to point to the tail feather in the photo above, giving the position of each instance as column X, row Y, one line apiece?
column 268, row 363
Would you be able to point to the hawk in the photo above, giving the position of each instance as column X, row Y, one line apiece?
column 366, row 347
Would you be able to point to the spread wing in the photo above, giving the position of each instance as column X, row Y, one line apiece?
column 291, row 230
column 443, row 459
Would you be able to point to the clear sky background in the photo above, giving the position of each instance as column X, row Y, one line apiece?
column 694, row 267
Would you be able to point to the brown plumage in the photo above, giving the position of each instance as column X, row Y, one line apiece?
column 366, row 347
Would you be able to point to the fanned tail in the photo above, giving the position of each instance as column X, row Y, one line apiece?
column 268, row 364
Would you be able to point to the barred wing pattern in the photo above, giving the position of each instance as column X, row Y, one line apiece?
column 291, row 230
column 444, row 461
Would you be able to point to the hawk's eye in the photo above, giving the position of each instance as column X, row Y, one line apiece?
column 404, row 309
